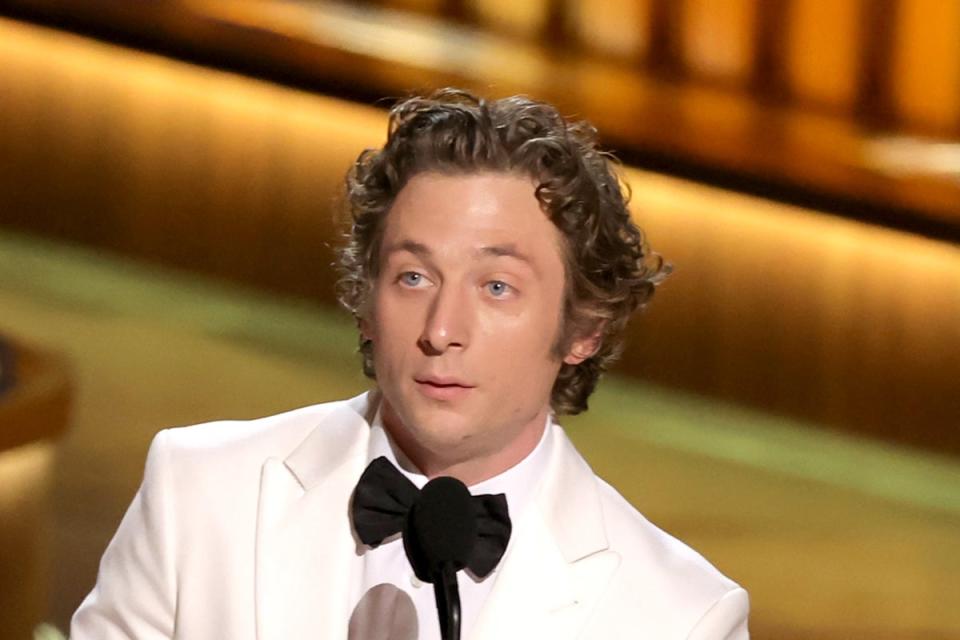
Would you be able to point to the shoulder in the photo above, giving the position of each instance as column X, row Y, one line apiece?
column 224, row 458
column 641, row 542
column 665, row 580
column 269, row 436
column 661, row 588
column 657, row 558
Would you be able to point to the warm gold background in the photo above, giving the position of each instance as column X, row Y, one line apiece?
column 774, row 311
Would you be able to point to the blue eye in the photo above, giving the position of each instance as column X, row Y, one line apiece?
column 411, row 278
column 497, row 288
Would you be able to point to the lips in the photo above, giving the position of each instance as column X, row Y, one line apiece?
column 443, row 388
column 438, row 381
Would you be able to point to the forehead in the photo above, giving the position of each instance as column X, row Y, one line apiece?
column 459, row 216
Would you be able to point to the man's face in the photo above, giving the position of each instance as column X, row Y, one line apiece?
column 465, row 312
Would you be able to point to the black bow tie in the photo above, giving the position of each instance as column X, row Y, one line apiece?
column 383, row 499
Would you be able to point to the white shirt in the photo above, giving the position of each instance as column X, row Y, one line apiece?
column 388, row 564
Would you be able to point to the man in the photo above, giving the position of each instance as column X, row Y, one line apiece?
column 491, row 266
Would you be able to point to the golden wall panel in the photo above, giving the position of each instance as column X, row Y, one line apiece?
column 823, row 48
column 792, row 310
column 615, row 27
column 718, row 39
column 926, row 73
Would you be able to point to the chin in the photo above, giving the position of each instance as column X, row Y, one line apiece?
column 445, row 428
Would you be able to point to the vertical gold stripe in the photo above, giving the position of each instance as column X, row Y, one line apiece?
column 615, row 27
column 525, row 18
column 823, row 49
column 718, row 39
column 927, row 64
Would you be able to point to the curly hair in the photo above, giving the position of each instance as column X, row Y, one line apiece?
column 610, row 271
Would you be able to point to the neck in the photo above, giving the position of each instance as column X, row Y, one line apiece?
column 469, row 467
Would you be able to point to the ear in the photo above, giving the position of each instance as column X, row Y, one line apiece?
column 584, row 347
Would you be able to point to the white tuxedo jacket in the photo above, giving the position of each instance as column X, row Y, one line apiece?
column 240, row 531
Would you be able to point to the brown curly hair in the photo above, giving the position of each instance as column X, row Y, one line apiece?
column 610, row 272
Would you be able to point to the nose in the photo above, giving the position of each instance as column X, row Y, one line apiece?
column 447, row 323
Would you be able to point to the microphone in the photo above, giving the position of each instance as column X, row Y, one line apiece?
column 439, row 535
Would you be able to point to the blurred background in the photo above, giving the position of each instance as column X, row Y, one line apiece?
column 170, row 179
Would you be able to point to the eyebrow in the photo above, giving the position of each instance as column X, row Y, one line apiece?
column 497, row 250
column 416, row 248
column 504, row 250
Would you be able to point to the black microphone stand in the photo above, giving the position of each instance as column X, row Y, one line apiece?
column 447, row 594
column 439, row 535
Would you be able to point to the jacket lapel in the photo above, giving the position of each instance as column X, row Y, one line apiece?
column 305, row 545
column 558, row 562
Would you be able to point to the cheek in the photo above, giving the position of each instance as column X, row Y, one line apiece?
column 394, row 331
column 384, row 310
column 523, row 346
